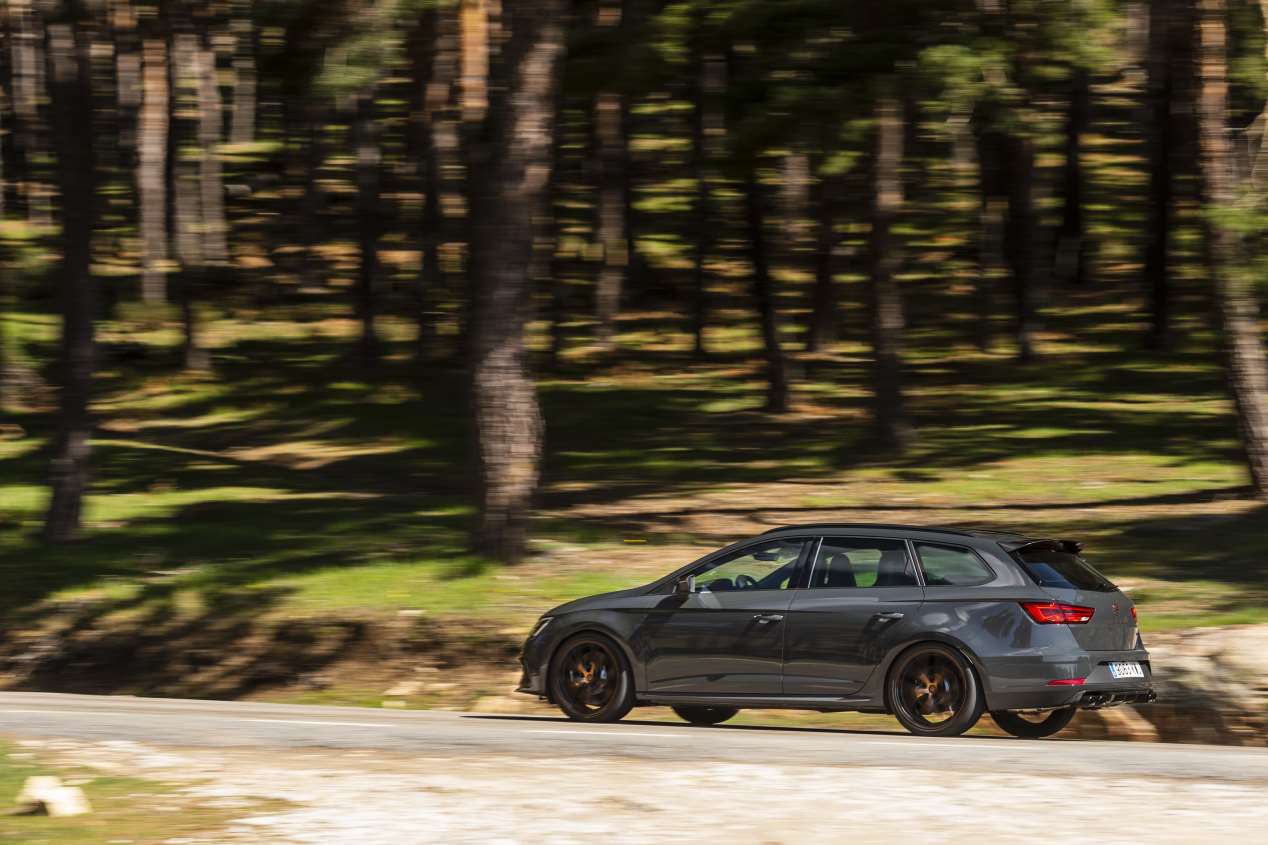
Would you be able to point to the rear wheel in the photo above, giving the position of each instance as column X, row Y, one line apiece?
column 701, row 715
column 590, row 680
column 1033, row 725
column 933, row 691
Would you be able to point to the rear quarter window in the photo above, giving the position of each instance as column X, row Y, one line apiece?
column 1063, row 571
column 952, row 566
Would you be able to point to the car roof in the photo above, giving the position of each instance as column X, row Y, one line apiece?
column 1007, row 538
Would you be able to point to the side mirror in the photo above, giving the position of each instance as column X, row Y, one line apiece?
column 685, row 585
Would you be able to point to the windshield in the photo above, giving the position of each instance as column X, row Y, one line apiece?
column 1063, row 570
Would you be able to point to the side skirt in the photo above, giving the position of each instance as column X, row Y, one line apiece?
column 823, row 704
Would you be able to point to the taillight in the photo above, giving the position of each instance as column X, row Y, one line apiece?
column 1057, row 613
column 1067, row 682
column 1133, row 613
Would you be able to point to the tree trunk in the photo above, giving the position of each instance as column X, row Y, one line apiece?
column 211, row 183
column 764, row 294
column 242, row 129
column 128, row 86
column 823, row 305
column 366, row 141
column 709, row 83
column 611, row 216
column 437, row 143
column 4, row 337
column 474, row 89
column 509, row 181
column 185, row 186
column 1071, row 236
column 28, row 81
column 890, row 416
column 6, row 101
column 70, row 94
column 1019, row 239
column 1160, row 140
column 1235, row 298
column 313, row 200
column 558, row 269
column 151, row 174
column 799, row 236
column 611, row 120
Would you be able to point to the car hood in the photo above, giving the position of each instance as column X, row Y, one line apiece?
column 595, row 602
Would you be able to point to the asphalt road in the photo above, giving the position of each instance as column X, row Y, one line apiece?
column 229, row 725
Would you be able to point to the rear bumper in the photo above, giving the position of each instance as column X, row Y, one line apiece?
column 1027, row 683
column 1097, row 699
column 1086, row 698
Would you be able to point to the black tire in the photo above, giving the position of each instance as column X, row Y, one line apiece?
column 698, row 714
column 934, row 680
column 590, row 679
column 1046, row 725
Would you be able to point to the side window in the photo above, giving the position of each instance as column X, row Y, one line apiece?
column 770, row 566
column 844, row 563
column 952, row 566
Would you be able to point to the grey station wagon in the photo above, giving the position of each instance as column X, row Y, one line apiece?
column 933, row 625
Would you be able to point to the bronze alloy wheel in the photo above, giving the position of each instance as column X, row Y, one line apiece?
column 590, row 681
column 933, row 691
column 1033, row 724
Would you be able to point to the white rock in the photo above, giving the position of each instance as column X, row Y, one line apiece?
column 46, row 794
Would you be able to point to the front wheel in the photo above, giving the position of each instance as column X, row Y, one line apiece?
column 702, row 715
column 590, row 680
column 933, row 691
column 1033, row 725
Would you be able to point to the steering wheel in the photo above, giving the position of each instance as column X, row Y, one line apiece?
column 745, row 582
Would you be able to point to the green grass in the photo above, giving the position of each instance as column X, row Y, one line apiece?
column 129, row 810
column 309, row 495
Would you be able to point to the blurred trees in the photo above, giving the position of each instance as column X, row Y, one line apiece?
column 543, row 157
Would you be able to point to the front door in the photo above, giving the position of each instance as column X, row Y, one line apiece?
column 727, row 636
column 862, row 599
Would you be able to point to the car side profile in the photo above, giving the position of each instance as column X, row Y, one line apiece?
column 932, row 625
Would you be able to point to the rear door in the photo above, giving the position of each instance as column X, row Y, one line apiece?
column 726, row 637
column 861, row 599
column 1069, row 579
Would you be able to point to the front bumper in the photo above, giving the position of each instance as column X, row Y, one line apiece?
column 531, row 682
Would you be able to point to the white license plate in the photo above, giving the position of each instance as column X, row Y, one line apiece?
column 1126, row 670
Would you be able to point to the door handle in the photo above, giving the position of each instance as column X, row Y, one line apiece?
column 890, row 616
column 768, row 618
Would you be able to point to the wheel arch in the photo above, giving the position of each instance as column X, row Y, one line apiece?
column 880, row 679
column 587, row 627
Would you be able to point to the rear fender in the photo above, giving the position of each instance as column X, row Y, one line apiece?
column 875, row 687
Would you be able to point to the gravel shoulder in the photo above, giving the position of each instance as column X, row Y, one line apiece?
column 338, row 775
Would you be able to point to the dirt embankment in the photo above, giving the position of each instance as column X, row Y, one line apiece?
column 1211, row 682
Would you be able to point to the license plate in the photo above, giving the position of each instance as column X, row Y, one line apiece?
column 1126, row 670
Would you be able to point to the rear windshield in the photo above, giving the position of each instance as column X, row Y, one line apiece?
column 1063, row 570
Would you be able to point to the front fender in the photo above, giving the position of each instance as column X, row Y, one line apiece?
column 616, row 626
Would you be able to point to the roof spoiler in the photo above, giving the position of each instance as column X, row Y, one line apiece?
column 1068, row 546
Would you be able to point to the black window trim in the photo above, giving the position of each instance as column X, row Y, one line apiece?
column 920, row 564
column 911, row 558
